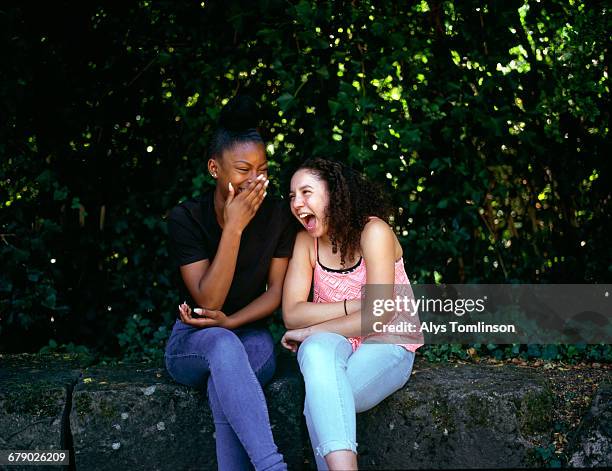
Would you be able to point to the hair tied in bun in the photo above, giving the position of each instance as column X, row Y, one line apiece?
column 238, row 123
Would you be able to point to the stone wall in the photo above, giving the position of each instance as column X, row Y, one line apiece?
column 131, row 417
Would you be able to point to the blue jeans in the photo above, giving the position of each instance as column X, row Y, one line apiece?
column 340, row 383
column 230, row 363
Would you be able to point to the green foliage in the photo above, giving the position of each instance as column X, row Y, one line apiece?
column 487, row 125
column 54, row 347
column 276, row 326
column 140, row 341
column 545, row 456
column 444, row 352
column 551, row 352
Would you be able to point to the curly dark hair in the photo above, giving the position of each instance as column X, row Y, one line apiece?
column 352, row 200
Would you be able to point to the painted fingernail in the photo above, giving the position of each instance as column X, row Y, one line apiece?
column 259, row 177
column 265, row 194
column 267, row 183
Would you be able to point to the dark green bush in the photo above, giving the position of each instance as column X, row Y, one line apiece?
column 488, row 125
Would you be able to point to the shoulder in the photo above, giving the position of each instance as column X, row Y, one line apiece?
column 304, row 243
column 378, row 238
column 304, row 239
column 188, row 217
column 181, row 213
column 375, row 230
column 190, row 209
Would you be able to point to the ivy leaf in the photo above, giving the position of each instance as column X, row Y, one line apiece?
column 285, row 101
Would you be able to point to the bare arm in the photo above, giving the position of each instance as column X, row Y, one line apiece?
column 208, row 283
column 297, row 311
column 259, row 308
column 265, row 304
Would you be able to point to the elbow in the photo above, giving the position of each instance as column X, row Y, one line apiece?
column 208, row 302
column 289, row 323
column 289, row 317
column 211, row 306
column 275, row 294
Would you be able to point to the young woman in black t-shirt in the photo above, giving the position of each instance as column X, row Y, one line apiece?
column 231, row 250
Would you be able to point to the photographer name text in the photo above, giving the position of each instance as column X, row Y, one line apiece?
column 433, row 328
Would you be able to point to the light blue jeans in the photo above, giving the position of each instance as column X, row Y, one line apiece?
column 340, row 383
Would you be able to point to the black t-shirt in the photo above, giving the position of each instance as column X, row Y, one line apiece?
column 195, row 235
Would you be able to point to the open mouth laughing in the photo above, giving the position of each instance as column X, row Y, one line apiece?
column 308, row 220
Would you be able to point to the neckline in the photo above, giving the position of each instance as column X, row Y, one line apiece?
column 340, row 270
column 336, row 270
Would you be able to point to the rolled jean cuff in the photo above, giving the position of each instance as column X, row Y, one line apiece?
column 336, row 445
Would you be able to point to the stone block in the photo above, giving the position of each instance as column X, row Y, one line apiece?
column 35, row 400
column 592, row 442
column 139, row 418
column 453, row 416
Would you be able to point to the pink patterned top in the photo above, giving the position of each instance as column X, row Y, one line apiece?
column 332, row 286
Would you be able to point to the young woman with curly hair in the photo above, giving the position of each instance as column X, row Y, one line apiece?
column 344, row 216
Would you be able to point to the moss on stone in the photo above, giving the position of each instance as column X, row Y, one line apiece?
column 408, row 403
column 535, row 412
column 38, row 399
column 88, row 405
column 83, row 405
column 532, row 458
column 477, row 410
column 108, row 410
column 442, row 414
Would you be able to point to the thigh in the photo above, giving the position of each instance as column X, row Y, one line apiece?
column 184, row 361
column 323, row 350
column 377, row 370
column 190, row 350
column 259, row 346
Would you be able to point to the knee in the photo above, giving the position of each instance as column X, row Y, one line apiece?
column 217, row 341
column 361, row 403
column 319, row 350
